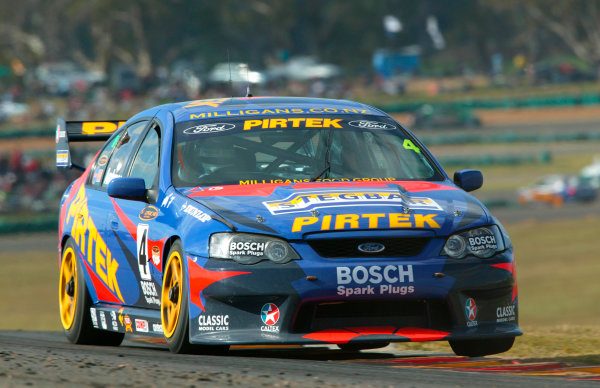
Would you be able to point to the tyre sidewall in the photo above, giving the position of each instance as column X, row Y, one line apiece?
column 81, row 318
column 179, row 342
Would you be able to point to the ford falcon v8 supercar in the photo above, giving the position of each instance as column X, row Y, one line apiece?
column 277, row 221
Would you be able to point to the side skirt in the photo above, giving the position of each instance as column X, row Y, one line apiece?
column 126, row 320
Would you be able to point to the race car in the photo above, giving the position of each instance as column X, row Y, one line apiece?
column 273, row 221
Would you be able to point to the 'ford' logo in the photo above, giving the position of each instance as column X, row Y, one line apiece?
column 371, row 247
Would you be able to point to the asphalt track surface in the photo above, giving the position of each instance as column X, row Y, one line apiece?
column 47, row 359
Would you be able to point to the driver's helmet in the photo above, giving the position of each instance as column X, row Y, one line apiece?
column 210, row 154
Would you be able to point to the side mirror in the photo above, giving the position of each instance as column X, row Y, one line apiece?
column 127, row 188
column 468, row 180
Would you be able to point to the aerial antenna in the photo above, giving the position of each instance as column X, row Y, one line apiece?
column 230, row 80
column 248, row 92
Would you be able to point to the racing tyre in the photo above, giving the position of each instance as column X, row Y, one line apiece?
column 174, row 312
column 481, row 347
column 74, row 302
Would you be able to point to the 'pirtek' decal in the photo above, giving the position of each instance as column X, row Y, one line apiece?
column 370, row 221
column 91, row 245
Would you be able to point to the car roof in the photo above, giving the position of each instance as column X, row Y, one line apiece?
column 242, row 106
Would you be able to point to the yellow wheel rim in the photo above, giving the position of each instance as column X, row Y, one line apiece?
column 170, row 305
column 67, row 289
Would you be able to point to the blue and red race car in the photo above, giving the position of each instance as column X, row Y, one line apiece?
column 277, row 221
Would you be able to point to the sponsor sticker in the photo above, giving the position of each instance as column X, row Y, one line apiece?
column 103, row 320
column 247, row 248
column 103, row 159
column 295, row 122
column 149, row 213
column 367, row 124
column 167, row 201
column 156, row 255
column 59, row 133
column 482, row 243
column 506, row 313
column 195, row 212
column 113, row 319
column 150, row 294
column 264, row 112
column 375, row 280
column 157, row 328
column 62, row 158
column 471, row 312
column 127, row 323
column 94, row 317
column 209, row 128
column 141, row 325
column 269, row 314
column 306, row 201
column 367, row 221
column 210, row 322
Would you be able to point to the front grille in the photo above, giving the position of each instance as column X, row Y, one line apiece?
column 394, row 247
column 424, row 313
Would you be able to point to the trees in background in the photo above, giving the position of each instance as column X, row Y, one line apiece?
column 149, row 33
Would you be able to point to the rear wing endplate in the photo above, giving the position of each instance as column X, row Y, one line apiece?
column 80, row 131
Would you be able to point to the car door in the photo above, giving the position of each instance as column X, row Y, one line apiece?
column 109, row 274
column 134, row 223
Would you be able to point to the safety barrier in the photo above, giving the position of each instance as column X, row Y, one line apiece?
column 542, row 157
column 539, row 101
column 506, row 137
column 42, row 223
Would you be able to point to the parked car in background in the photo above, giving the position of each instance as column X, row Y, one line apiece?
column 557, row 189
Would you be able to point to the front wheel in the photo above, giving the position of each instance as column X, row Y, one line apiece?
column 174, row 311
column 74, row 302
column 481, row 347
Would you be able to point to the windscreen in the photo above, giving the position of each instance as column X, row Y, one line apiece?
column 278, row 149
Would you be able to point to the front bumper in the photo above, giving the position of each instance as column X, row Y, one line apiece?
column 339, row 301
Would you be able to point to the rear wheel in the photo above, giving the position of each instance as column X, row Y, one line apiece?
column 74, row 302
column 481, row 347
column 174, row 312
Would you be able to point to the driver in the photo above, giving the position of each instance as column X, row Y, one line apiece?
column 212, row 156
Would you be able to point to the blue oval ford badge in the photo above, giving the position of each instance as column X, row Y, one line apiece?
column 371, row 247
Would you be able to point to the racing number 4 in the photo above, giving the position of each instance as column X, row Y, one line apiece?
column 142, row 251
column 409, row 145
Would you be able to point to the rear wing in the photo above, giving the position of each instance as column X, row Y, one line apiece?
column 80, row 131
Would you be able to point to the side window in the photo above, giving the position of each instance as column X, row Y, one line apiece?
column 145, row 164
column 95, row 178
column 123, row 148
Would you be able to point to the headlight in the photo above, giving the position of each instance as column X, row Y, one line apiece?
column 248, row 248
column 481, row 242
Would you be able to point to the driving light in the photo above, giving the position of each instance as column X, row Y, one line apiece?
column 247, row 248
